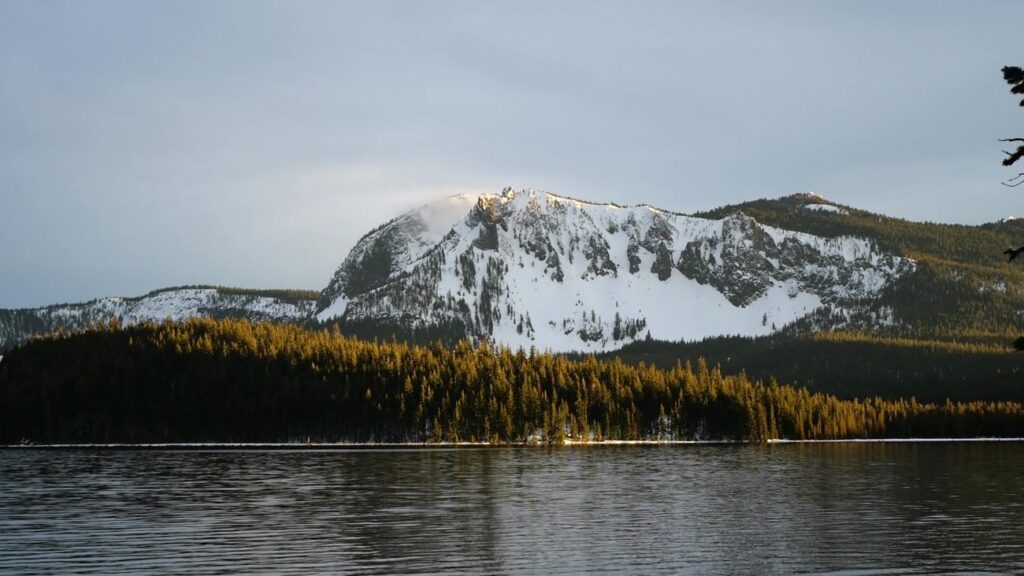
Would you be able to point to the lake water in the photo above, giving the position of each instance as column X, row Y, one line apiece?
column 818, row 508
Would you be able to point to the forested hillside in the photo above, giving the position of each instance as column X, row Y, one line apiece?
column 233, row 381
column 856, row 364
column 962, row 288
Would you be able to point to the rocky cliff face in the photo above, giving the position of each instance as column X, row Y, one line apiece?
column 531, row 268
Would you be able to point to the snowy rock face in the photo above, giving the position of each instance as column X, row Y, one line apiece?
column 532, row 268
column 386, row 251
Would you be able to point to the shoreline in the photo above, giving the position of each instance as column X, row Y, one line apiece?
column 282, row 446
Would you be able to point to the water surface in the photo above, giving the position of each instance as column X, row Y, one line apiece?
column 811, row 508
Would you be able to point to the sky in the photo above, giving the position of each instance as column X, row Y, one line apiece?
column 244, row 143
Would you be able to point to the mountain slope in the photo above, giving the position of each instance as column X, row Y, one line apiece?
column 392, row 246
column 176, row 303
column 531, row 268
column 962, row 286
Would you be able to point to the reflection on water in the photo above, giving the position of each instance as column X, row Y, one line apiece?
column 848, row 508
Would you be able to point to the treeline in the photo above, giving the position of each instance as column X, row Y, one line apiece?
column 975, row 366
column 234, row 381
column 284, row 295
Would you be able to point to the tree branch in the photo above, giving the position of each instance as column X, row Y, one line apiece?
column 1012, row 140
column 1013, row 157
column 1011, row 184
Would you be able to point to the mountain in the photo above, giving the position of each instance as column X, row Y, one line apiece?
column 528, row 268
column 962, row 288
column 536, row 269
column 176, row 303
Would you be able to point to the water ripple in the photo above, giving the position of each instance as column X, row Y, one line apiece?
column 828, row 509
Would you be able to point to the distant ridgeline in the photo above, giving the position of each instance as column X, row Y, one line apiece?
column 178, row 302
column 235, row 381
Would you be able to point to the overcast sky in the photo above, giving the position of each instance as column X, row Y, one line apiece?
column 147, row 144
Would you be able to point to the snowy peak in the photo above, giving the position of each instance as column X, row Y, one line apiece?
column 431, row 222
column 387, row 251
column 534, row 268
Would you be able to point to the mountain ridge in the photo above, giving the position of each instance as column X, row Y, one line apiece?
column 484, row 273
column 178, row 303
column 496, row 266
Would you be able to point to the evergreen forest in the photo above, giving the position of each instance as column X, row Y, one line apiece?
column 851, row 364
column 230, row 380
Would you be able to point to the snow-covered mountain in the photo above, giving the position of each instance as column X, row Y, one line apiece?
column 533, row 268
column 175, row 303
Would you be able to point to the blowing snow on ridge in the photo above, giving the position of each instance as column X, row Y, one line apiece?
column 532, row 268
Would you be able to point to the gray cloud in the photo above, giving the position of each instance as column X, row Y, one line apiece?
column 145, row 144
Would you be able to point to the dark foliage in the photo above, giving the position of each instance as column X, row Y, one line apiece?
column 1014, row 76
column 851, row 364
column 230, row 380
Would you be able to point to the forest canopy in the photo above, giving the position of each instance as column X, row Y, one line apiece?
column 235, row 381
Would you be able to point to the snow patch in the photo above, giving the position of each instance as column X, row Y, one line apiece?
column 825, row 208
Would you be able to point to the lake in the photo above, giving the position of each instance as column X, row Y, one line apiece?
column 844, row 508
